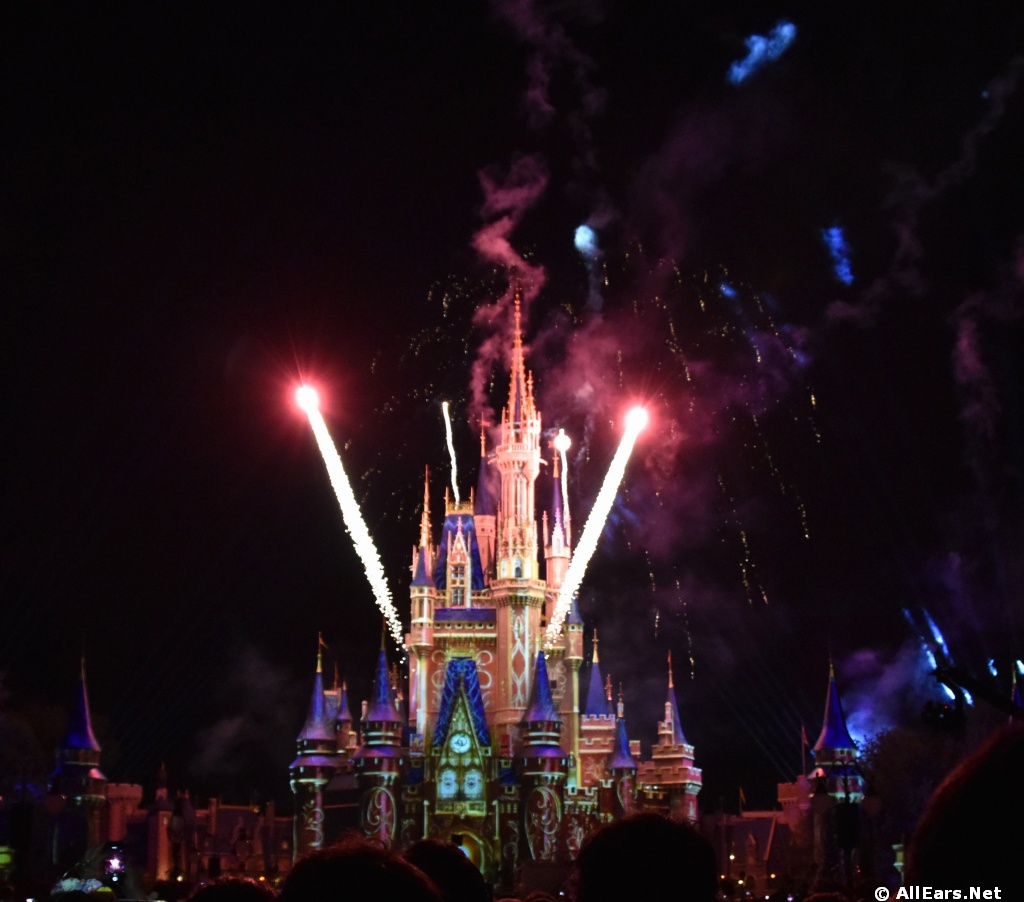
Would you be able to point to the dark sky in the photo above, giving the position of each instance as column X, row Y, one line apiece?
column 202, row 207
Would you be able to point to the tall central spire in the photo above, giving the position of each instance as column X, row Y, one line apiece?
column 518, row 461
column 520, row 392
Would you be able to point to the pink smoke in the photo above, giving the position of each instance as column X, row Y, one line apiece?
column 507, row 198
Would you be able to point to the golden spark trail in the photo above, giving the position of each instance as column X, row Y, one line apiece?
column 451, row 449
column 355, row 526
column 635, row 422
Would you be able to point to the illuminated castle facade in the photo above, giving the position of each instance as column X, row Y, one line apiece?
column 493, row 745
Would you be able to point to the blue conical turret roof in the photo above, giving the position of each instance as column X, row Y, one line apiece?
column 421, row 577
column 542, row 705
column 80, row 734
column 382, row 705
column 621, row 758
column 318, row 724
column 677, row 730
column 573, row 616
column 597, row 700
column 344, row 709
column 834, row 734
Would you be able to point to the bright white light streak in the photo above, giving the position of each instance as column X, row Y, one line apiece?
column 635, row 422
column 562, row 444
column 451, row 450
column 355, row 526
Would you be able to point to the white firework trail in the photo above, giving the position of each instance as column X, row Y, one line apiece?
column 352, row 517
column 562, row 444
column 451, row 449
column 635, row 422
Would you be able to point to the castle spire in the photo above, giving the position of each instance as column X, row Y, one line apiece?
column 834, row 734
column 597, row 703
column 425, row 516
column 80, row 734
column 672, row 709
column 621, row 758
column 382, row 705
column 317, row 726
column 517, row 392
column 542, row 722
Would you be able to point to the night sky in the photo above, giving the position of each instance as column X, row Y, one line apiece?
column 201, row 208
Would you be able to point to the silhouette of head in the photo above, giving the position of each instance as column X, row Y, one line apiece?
column 355, row 869
column 970, row 831
column 455, row 875
column 646, row 856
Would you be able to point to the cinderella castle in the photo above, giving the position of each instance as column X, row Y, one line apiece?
column 495, row 747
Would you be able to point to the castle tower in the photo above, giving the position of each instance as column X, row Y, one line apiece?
column 669, row 781
column 420, row 641
column 79, row 779
column 572, row 634
column 542, row 769
column 835, row 753
column 313, row 767
column 837, row 786
column 379, row 762
column 597, row 727
column 517, row 591
column 622, row 766
column 556, row 537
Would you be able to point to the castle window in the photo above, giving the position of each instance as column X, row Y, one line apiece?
column 457, row 584
column 447, row 785
column 473, row 784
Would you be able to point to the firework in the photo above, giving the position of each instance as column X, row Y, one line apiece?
column 635, row 422
column 307, row 399
column 562, row 444
column 451, row 449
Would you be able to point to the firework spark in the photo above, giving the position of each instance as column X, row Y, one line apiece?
column 451, row 450
column 635, row 422
column 309, row 402
column 562, row 444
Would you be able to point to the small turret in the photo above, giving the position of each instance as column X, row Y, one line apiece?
column 670, row 731
column 542, row 724
column 542, row 768
column 315, row 764
column 622, row 765
column 78, row 776
column 556, row 535
column 835, row 753
column 598, row 704
column 621, row 758
column 669, row 781
column 379, row 763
